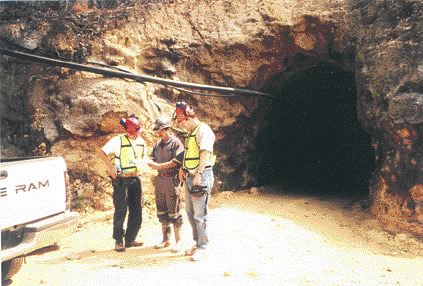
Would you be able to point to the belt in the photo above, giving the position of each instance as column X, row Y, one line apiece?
column 166, row 174
column 127, row 175
column 205, row 168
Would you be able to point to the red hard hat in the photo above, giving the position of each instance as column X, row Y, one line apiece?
column 183, row 111
column 132, row 124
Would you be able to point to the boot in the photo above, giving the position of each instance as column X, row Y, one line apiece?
column 177, row 228
column 119, row 247
column 166, row 230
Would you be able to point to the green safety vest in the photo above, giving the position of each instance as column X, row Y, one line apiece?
column 128, row 154
column 192, row 151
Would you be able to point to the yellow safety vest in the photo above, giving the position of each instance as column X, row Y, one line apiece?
column 128, row 155
column 192, row 151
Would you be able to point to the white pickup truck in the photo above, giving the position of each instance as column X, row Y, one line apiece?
column 35, row 208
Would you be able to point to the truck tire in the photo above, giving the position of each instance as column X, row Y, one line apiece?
column 10, row 267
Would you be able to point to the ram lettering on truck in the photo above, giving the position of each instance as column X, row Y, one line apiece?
column 35, row 204
column 25, row 188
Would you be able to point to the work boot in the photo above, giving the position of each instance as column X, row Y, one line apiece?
column 177, row 228
column 191, row 251
column 119, row 247
column 199, row 254
column 166, row 230
column 134, row 244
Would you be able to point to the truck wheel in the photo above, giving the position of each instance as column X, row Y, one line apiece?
column 10, row 267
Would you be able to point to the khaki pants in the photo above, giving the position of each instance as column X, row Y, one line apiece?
column 168, row 200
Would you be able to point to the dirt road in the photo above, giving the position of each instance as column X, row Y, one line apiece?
column 256, row 239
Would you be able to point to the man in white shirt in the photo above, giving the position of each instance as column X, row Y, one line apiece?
column 197, row 172
column 129, row 151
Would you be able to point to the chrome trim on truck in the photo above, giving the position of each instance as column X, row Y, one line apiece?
column 43, row 233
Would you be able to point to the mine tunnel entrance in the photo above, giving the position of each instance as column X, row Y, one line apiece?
column 312, row 137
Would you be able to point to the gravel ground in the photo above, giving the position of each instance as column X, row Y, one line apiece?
column 257, row 238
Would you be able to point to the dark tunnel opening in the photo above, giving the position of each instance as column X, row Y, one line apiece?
column 312, row 137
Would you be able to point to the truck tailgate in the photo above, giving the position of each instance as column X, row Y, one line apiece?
column 31, row 189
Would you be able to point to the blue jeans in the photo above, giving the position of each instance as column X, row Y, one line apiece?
column 197, row 208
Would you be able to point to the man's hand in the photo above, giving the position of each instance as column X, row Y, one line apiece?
column 181, row 175
column 153, row 165
column 112, row 173
column 110, row 168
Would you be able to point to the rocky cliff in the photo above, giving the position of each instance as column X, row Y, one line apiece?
column 262, row 45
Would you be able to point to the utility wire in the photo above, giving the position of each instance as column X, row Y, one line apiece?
column 139, row 78
column 108, row 66
column 177, row 88
column 207, row 94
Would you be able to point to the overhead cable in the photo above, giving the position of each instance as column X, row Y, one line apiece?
column 139, row 78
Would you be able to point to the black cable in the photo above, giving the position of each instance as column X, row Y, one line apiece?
column 206, row 94
column 139, row 78
column 109, row 66
column 177, row 88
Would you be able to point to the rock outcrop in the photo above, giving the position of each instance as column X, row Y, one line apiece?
column 390, row 84
column 231, row 43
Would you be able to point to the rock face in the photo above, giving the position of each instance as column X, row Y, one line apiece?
column 390, row 84
column 243, row 44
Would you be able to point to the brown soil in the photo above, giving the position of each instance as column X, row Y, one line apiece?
column 257, row 238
